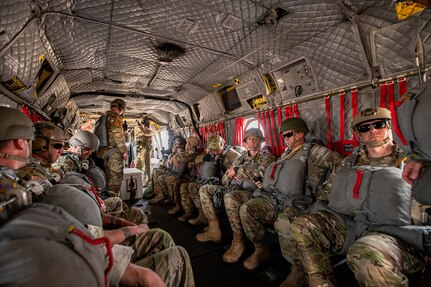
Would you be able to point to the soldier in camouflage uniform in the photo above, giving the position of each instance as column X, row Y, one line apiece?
column 30, row 242
column 152, row 249
column 222, row 156
column 114, row 155
column 76, row 159
column 144, row 146
column 270, row 201
column 316, row 236
column 386, row 259
column 251, row 164
column 183, row 170
column 159, row 174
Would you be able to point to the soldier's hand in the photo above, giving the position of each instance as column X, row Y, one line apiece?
column 175, row 162
column 125, row 155
column 191, row 164
column 142, row 228
column 412, row 170
column 258, row 184
column 230, row 172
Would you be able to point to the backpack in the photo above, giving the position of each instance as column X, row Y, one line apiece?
column 101, row 131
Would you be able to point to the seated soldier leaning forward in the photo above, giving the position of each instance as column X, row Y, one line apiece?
column 137, row 250
column 243, row 173
column 289, row 186
column 73, row 167
column 159, row 174
column 367, row 191
column 33, row 235
column 183, row 171
column 210, row 169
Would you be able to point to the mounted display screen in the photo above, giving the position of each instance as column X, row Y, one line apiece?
column 230, row 98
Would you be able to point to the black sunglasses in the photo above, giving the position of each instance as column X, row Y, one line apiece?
column 288, row 135
column 367, row 127
column 57, row 145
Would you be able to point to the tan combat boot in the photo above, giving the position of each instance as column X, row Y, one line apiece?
column 235, row 250
column 260, row 255
column 185, row 216
column 320, row 280
column 157, row 199
column 201, row 219
column 296, row 277
column 175, row 209
column 213, row 233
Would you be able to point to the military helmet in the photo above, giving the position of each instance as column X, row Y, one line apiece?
column 15, row 125
column 118, row 103
column 253, row 132
column 49, row 131
column 294, row 124
column 178, row 140
column 371, row 114
column 193, row 141
column 215, row 142
column 85, row 139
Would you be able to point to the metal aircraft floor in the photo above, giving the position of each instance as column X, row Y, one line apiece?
column 208, row 267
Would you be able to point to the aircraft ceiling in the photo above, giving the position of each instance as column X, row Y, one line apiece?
column 162, row 55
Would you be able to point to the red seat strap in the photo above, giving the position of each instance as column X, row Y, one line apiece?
column 392, row 103
column 328, row 119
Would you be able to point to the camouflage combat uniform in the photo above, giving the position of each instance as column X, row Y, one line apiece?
column 190, row 191
column 181, row 175
column 113, row 154
column 70, row 162
column 317, row 236
column 154, row 249
column 144, row 144
column 158, row 178
column 259, row 210
column 236, row 197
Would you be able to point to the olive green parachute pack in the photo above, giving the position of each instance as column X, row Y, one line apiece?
column 414, row 137
column 39, row 249
column 101, row 131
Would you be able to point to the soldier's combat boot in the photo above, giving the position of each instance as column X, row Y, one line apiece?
column 213, row 233
column 174, row 209
column 186, row 216
column 157, row 199
column 201, row 219
column 320, row 280
column 235, row 250
column 260, row 255
column 296, row 277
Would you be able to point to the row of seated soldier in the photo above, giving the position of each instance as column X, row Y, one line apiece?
column 322, row 204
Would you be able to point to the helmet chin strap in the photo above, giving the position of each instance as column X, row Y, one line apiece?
column 377, row 143
column 13, row 157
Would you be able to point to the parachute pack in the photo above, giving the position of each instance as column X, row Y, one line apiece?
column 101, row 131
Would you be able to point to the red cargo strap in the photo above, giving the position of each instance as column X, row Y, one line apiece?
column 354, row 109
column 269, row 134
column 98, row 241
column 295, row 111
column 328, row 119
column 280, row 135
column 271, row 175
column 402, row 86
column 288, row 112
column 359, row 175
column 392, row 104
column 274, row 134
column 342, row 111
column 383, row 95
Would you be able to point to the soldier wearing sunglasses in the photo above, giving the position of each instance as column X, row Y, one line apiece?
column 48, row 146
column 296, row 180
column 367, row 192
